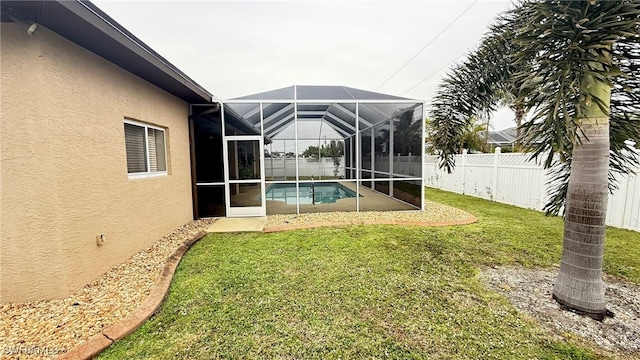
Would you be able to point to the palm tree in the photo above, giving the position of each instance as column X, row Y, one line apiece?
column 578, row 66
column 476, row 137
column 407, row 132
column 572, row 43
column 509, row 98
column 473, row 138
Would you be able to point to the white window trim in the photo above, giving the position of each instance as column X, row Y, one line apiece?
column 149, row 174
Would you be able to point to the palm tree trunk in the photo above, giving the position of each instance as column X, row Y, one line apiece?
column 579, row 284
column 486, row 138
column 519, row 116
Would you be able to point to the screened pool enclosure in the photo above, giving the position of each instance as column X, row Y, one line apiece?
column 306, row 149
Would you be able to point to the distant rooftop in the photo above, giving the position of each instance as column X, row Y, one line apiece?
column 503, row 137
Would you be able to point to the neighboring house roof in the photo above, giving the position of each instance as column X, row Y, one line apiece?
column 339, row 115
column 502, row 137
column 86, row 25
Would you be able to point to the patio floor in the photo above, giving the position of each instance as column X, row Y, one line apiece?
column 369, row 201
column 248, row 224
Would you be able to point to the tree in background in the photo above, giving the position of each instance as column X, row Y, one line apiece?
column 334, row 150
column 312, row 152
column 407, row 134
column 472, row 138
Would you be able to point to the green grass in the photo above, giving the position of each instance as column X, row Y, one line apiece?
column 511, row 235
column 365, row 292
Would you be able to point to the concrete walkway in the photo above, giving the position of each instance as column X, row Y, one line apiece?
column 248, row 224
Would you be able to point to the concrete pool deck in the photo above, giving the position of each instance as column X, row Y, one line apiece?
column 370, row 200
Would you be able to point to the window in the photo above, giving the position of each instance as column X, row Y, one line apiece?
column 146, row 154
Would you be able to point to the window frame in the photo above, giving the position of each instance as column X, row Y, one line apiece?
column 148, row 173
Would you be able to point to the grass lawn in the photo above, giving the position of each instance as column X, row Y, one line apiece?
column 365, row 292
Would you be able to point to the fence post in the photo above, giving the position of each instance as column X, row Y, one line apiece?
column 440, row 174
column 284, row 159
column 464, row 172
column 496, row 162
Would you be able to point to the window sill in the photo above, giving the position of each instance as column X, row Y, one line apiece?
column 145, row 175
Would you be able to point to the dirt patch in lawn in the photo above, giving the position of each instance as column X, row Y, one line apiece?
column 530, row 291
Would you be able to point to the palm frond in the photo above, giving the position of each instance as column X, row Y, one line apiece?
column 472, row 89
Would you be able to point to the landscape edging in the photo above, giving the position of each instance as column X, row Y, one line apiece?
column 102, row 340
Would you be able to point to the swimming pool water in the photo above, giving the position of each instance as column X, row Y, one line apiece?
column 323, row 193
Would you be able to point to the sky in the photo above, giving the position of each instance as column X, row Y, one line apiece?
column 237, row 48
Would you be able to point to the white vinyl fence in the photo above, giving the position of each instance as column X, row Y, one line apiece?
column 512, row 179
column 408, row 165
column 279, row 167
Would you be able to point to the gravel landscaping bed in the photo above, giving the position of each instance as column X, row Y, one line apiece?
column 530, row 291
column 434, row 213
column 43, row 329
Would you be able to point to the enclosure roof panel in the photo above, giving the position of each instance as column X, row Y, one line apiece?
column 285, row 93
column 320, row 92
column 335, row 106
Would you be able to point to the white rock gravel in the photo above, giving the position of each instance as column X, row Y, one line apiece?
column 530, row 291
column 434, row 213
column 43, row 329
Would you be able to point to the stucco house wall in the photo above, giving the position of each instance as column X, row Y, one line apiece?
column 63, row 169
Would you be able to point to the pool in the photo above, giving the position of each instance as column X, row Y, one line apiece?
column 322, row 193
